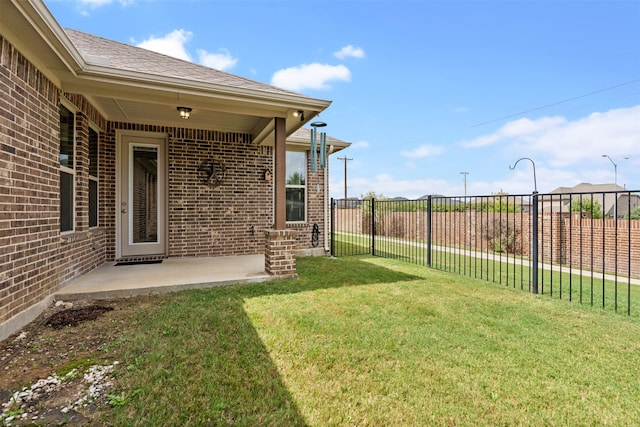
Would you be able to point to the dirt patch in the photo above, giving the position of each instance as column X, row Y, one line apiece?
column 65, row 337
column 75, row 316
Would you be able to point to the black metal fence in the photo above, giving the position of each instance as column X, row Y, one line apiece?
column 576, row 246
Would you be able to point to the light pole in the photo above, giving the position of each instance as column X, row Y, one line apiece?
column 615, row 182
column 615, row 169
column 465, row 182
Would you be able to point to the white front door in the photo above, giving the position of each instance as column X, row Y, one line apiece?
column 142, row 197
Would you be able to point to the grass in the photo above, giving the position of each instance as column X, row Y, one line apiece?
column 371, row 341
column 569, row 284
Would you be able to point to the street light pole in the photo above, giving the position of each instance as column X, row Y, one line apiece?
column 615, row 169
column 615, row 181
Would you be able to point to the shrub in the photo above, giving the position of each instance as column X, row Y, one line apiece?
column 588, row 206
column 634, row 214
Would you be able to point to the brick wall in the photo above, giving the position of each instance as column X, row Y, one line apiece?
column 619, row 245
column 85, row 248
column 564, row 238
column 224, row 220
column 29, row 184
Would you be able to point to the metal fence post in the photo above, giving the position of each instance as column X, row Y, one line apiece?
column 333, row 228
column 373, row 226
column 429, row 231
column 534, row 249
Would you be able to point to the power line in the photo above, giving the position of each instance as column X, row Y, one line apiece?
column 345, row 159
column 465, row 173
column 556, row 103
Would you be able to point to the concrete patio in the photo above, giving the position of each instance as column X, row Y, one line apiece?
column 173, row 274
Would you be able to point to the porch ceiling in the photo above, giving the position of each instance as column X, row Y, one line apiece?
column 202, row 116
column 154, row 100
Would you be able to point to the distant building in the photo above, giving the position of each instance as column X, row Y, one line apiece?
column 605, row 195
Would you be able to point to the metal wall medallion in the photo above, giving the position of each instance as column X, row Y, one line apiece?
column 212, row 173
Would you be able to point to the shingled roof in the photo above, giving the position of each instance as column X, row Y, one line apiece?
column 108, row 53
column 304, row 135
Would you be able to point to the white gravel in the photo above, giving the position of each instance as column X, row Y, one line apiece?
column 96, row 381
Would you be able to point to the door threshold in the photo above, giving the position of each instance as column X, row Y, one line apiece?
column 137, row 262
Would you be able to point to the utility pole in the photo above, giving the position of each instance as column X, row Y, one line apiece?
column 465, row 182
column 345, row 160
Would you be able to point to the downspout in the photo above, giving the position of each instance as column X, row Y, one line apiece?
column 326, row 202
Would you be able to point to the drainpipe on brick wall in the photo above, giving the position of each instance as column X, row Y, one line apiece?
column 326, row 208
column 327, row 248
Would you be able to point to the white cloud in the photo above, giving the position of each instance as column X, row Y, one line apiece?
column 310, row 76
column 360, row 144
column 219, row 61
column 522, row 128
column 172, row 44
column 423, row 151
column 95, row 3
column 349, row 52
column 563, row 143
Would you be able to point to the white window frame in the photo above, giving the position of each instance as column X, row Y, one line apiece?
column 92, row 178
column 298, row 186
column 71, row 171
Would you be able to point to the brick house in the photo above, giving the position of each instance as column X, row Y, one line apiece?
column 97, row 163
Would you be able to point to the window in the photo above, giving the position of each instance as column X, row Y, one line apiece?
column 93, row 178
column 67, row 169
column 295, row 185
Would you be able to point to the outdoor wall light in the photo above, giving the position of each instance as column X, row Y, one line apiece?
column 300, row 114
column 185, row 112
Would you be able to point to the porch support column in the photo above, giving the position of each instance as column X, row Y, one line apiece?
column 279, row 253
column 280, row 213
column 280, row 243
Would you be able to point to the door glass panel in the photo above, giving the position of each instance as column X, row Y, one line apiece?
column 144, row 212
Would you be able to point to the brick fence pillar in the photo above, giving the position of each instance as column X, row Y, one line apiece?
column 279, row 254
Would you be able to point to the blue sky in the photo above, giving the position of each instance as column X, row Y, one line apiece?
column 424, row 90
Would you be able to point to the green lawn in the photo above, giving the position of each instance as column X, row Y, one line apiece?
column 588, row 289
column 372, row 341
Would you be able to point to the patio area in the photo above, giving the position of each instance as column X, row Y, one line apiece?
column 173, row 274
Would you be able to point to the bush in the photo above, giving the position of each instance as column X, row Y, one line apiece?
column 502, row 235
column 634, row 214
column 588, row 206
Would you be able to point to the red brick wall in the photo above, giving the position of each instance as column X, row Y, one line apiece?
column 29, row 184
column 563, row 237
column 84, row 249
column 35, row 259
column 585, row 235
column 225, row 220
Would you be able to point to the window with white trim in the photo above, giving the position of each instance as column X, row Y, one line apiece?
column 93, row 177
column 296, row 189
column 67, row 169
